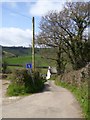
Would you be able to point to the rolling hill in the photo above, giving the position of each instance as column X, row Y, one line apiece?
column 22, row 55
column 17, row 51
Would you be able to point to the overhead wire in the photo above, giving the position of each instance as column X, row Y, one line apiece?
column 16, row 12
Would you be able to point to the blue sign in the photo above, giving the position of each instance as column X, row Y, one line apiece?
column 29, row 65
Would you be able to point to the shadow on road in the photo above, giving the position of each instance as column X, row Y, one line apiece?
column 47, row 87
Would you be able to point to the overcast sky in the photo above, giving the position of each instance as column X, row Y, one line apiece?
column 16, row 19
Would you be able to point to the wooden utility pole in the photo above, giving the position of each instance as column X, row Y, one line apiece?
column 33, row 45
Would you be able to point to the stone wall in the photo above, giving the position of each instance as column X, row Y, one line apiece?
column 77, row 77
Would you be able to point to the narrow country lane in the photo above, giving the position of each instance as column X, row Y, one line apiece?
column 53, row 102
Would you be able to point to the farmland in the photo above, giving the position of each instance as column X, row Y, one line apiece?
column 22, row 56
column 27, row 59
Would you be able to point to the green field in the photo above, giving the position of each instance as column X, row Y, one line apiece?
column 22, row 56
column 23, row 60
column 18, row 60
column 28, row 59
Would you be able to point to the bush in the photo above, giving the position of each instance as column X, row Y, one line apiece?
column 25, row 82
column 4, row 76
column 4, row 67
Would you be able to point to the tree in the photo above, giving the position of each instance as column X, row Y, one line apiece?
column 65, row 30
column 78, row 16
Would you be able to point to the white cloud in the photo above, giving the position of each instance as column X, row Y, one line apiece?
column 15, row 37
column 15, row 0
column 80, row 0
column 42, row 7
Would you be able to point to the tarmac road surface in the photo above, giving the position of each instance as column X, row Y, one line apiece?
column 53, row 102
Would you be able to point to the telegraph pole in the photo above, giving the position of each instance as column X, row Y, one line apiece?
column 33, row 45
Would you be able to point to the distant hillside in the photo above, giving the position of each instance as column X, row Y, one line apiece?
column 17, row 51
column 22, row 51
column 8, row 54
column 22, row 55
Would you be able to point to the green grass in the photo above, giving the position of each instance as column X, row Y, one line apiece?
column 23, row 60
column 81, row 94
column 24, row 57
column 28, row 59
column 15, row 90
column 23, row 82
column 18, row 60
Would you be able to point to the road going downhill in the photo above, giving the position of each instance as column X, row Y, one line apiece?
column 53, row 102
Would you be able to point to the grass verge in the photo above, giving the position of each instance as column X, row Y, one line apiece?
column 24, row 82
column 81, row 94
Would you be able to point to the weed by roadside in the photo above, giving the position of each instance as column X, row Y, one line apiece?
column 81, row 94
column 24, row 82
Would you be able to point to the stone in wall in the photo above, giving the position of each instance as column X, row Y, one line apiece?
column 77, row 77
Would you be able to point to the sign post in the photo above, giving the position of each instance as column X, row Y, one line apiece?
column 33, row 45
column 29, row 66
